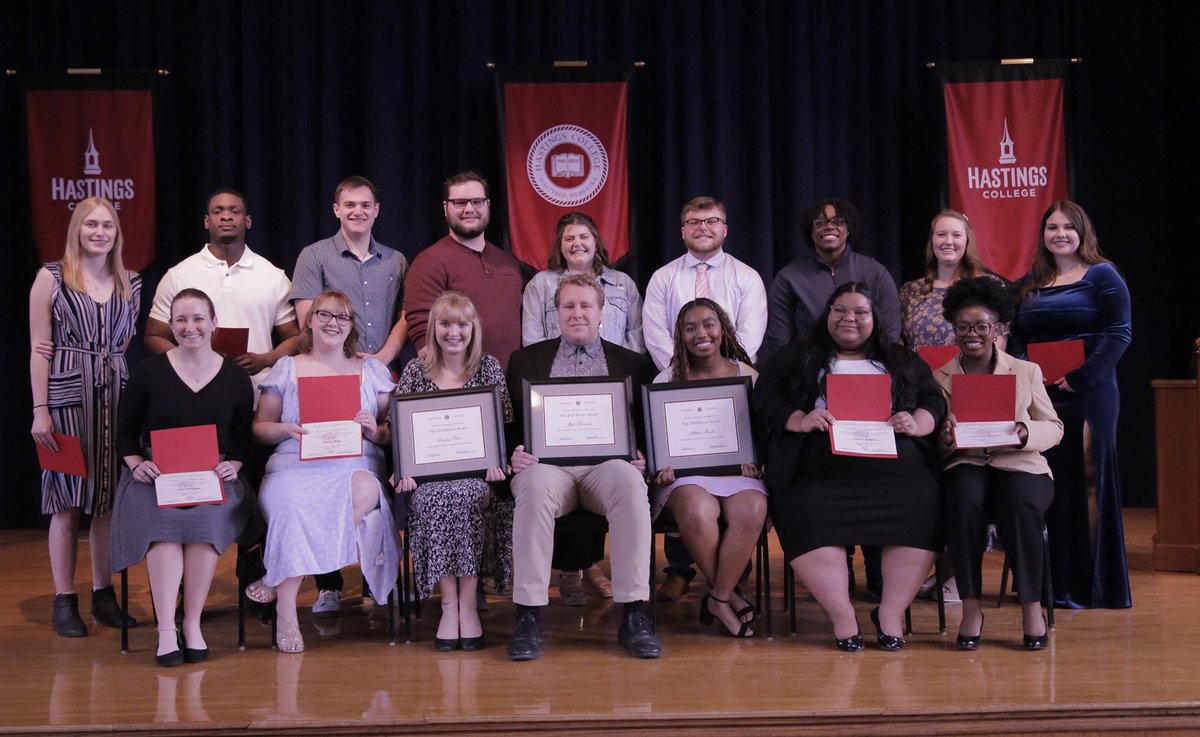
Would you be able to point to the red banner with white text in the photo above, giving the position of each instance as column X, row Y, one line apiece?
column 565, row 149
column 92, row 143
column 1006, row 154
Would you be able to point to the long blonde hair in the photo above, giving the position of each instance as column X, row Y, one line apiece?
column 456, row 306
column 71, row 271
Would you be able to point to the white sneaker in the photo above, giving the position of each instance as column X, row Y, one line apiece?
column 328, row 604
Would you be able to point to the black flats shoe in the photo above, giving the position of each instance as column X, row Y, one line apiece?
column 707, row 617
column 971, row 642
column 66, row 619
column 445, row 646
column 891, row 643
column 851, row 644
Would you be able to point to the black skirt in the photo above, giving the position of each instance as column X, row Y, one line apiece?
column 836, row 500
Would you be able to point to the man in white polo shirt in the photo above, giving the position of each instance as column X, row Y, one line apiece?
column 247, row 289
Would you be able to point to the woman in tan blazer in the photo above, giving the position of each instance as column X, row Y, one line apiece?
column 1009, row 485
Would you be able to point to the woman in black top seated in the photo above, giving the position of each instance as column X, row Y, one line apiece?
column 820, row 502
column 188, row 385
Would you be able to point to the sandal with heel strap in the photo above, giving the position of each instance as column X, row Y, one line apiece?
column 707, row 617
column 288, row 638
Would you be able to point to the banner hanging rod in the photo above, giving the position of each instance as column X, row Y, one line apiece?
column 1018, row 61
column 568, row 64
column 97, row 72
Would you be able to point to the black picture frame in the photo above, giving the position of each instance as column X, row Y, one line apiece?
column 619, row 394
column 722, row 399
column 491, row 417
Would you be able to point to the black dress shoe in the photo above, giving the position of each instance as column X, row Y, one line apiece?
column 851, row 644
column 445, row 646
column 971, row 642
column 471, row 644
column 891, row 643
column 66, row 619
column 195, row 655
column 526, row 642
column 1037, row 642
column 637, row 636
column 169, row 660
column 107, row 611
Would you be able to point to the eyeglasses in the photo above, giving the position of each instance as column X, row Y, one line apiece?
column 324, row 316
column 982, row 329
column 476, row 202
column 840, row 313
column 710, row 222
column 837, row 222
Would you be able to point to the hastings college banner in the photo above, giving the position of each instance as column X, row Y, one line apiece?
column 92, row 143
column 1006, row 154
column 565, row 145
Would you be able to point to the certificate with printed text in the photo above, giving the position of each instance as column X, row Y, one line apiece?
column 862, row 438
column 448, row 435
column 333, row 439
column 578, row 419
column 189, row 488
column 699, row 427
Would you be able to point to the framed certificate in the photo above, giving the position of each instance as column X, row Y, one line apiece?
column 579, row 421
column 702, row 427
column 448, row 434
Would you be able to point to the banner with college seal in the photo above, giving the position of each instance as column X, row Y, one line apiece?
column 565, row 149
column 89, row 142
column 1006, row 154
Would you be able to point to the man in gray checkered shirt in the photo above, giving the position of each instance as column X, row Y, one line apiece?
column 371, row 275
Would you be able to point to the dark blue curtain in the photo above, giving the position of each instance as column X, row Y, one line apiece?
column 765, row 105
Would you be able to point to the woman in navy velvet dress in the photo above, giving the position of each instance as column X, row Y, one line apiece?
column 1074, row 293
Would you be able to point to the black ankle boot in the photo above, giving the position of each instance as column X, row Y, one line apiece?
column 67, row 622
column 107, row 611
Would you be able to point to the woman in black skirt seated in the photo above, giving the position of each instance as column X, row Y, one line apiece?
column 820, row 502
column 1011, row 485
column 188, row 385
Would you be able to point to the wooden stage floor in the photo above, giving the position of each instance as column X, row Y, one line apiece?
column 1113, row 672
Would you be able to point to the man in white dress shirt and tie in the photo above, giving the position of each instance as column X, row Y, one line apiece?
column 704, row 271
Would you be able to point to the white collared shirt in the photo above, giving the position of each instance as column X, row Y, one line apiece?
column 252, row 293
column 732, row 284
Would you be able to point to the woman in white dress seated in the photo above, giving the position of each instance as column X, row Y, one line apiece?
column 319, row 511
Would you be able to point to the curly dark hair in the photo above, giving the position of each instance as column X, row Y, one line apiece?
column 981, row 291
column 843, row 208
column 681, row 361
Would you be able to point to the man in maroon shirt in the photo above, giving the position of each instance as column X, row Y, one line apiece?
column 465, row 261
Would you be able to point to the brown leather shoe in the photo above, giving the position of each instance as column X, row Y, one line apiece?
column 570, row 589
column 596, row 584
column 673, row 589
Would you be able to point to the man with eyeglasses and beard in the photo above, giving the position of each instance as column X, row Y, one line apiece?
column 801, row 289
column 465, row 261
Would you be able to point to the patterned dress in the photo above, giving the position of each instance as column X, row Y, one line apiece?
column 459, row 527
column 87, row 374
column 921, row 321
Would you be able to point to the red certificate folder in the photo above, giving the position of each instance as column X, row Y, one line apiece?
column 937, row 355
column 185, row 449
column 328, row 398
column 231, row 342
column 983, row 397
column 1056, row 359
column 68, row 459
column 859, row 397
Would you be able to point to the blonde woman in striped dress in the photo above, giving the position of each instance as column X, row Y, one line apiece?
column 82, row 314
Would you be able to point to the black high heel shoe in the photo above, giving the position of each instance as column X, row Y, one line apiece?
column 707, row 617
column 891, row 643
column 1038, row 642
column 971, row 642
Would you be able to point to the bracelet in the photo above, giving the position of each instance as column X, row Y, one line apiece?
column 40, row 405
